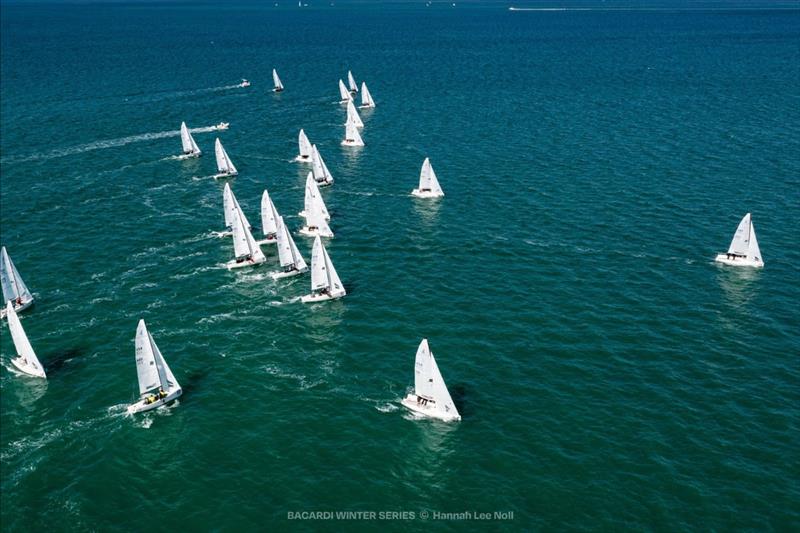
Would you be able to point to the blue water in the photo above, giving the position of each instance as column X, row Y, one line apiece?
column 609, row 375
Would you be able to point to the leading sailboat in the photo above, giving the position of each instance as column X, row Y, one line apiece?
column 190, row 148
column 288, row 254
column 245, row 249
column 277, row 82
column 743, row 250
column 430, row 397
column 157, row 384
column 15, row 291
column 325, row 282
column 428, row 184
column 224, row 164
column 26, row 360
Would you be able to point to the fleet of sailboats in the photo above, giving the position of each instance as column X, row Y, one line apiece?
column 428, row 184
column 157, row 384
column 744, row 250
column 15, row 292
column 26, row 360
column 430, row 397
column 325, row 282
column 190, row 148
column 224, row 164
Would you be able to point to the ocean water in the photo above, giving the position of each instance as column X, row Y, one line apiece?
column 610, row 376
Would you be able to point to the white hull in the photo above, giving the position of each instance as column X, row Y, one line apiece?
column 191, row 155
column 276, row 90
column 27, row 368
column 738, row 261
column 17, row 308
column 303, row 159
column 426, row 194
column 226, row 175
column 289, row 274
column 366, row 106
column 222, row 126
column 221, row 234
column 141, row 406
column 324, row 183
column 232, row 264
column 318, row 297
column 268, row 240
column 314, row 233
column 410, row 403
column 352, row 143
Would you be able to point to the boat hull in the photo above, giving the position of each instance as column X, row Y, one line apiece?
column 287, row 274
column 319, row 297
column 225, row 175
column 314, row 233
column 232, row 264
column 366, row 107
column 222, row 126
column 141, row 406
column 17, row 308
column 738, row 261
column 410, row 403
column 303, row 159
column 426, row 194
column 268, row 240
column 27, row 368
column 352, row 143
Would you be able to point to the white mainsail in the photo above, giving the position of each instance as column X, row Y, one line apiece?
column 352, row 115
column 427, row 179
column 244, row 246
column 319, row 168
column 344, row 94
column 366, row 97
column 351, row 135
column 351, row 81
column 276, row 81
column 323, row 274
column 189, row 146
column 229, row 206
column 429, row 384
column 224, row 164
column 269, row 215
column 744, row 241
column 313, row 198
column 151, row 367
column 14, row 289
column 26, row 360
column 304, row 146
column 288, row 254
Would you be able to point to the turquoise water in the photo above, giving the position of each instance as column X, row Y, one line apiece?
column 609, row 374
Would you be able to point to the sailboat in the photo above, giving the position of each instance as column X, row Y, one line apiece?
column 269, row 220
column 305, row 148
column 316, row 225
column 224, row 164
column 352, row 115
column 15, row 291
column 428, row 184
column 743, row 250
column 157, row 384
column 319, row 168
column 344, row 94
column 351, row 81
column 430, row 396
column 366, row 97
column 229, row 206
column 313, row 198
column 351, row 135
column 288, row 254
column 246, row 251
column 190, row 148
column 325, row 282
column 26, row 360
column 244, row 83
column 277, row 81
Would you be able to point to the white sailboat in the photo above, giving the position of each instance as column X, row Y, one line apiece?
column 428, row 184
column 26, row 360
column 430, row 397
column 269, row 220
column 276, row 81
column 344, row 94
column 325, row 282
column 316, row 225
column 304, row 146
column 313, row 198
column 352, row 115
column 351, row 136
column 288, row 254
column 351, row 81
column 229, row 206
column 743, row 250
column 157, row 384
column 244, row 83
column 366, row 97
column 15, row 291
column 224, row 164
column 245, row 249
column 190, row 148
column 319, row 168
